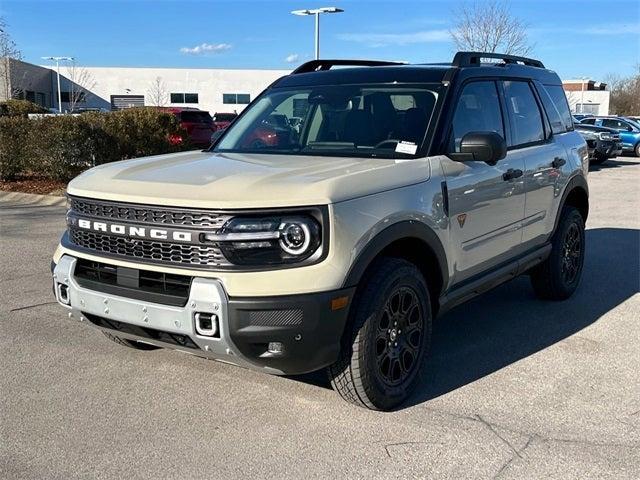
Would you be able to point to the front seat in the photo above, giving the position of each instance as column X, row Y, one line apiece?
column 358, row 128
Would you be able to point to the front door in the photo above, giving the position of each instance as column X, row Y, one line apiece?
column 486, row 202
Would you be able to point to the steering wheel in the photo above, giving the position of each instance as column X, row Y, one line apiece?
column 390, row 141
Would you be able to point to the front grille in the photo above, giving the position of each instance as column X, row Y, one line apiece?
column 144, row 332
column 145, row 214
column 156, row 287
column 146, row 250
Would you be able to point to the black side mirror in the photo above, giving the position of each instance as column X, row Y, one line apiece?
column 488, row 147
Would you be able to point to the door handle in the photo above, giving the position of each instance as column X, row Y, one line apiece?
column 558, row 162
column 511, row 174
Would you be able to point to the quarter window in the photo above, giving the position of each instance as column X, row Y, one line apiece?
column 524, row 114
column 478, row 110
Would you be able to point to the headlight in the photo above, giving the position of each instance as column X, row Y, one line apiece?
column 271, row 240
column 605, row 136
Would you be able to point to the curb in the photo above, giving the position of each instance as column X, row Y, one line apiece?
column 32, row 199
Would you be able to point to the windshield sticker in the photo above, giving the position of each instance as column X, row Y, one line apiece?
column 406, row 147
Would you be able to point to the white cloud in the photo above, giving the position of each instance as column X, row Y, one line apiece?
column 292, row 58
column 205, row 48
column 386, row 39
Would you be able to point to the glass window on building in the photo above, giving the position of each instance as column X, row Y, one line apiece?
column 236, row 98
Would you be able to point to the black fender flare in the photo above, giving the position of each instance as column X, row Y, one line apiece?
column 577, row 181
column 398, row 231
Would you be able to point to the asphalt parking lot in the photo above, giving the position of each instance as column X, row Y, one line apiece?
column 516, row 388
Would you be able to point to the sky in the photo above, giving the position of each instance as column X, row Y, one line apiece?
column 584, row 38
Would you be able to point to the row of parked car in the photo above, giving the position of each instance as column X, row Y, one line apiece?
column 199, row 124
column 610, row 136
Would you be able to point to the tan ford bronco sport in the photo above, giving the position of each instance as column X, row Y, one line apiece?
column 334, row 219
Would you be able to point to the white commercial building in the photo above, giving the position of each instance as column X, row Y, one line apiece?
column 211, row 89
column 587, row 96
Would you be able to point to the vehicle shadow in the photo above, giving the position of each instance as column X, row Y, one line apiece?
column 508, row 324
column 615, row 163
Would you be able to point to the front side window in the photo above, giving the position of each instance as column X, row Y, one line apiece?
column 616, row 124
column 340, row 120
column 524, row 114
column 478, row 110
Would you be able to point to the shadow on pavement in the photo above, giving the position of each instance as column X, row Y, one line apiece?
column 508, row 324
column 615, row 163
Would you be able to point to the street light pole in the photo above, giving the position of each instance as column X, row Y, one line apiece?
column 57, row 60
column 316, row 13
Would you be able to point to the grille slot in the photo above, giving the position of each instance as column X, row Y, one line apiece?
column 162, row 252
column 156, row 287
column 146, row 214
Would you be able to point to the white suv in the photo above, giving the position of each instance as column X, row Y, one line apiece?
column 334, row 219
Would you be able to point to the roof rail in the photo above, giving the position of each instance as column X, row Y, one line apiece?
column 470, row 59
column 317, row 65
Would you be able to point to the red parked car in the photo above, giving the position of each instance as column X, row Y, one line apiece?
column 197, row 123
column 223, row 120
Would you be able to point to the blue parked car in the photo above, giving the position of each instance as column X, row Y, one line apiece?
column 629, row 130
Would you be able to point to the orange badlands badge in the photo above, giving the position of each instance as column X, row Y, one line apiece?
column 461, row 219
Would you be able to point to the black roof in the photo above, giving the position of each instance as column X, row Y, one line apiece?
column 464, row 65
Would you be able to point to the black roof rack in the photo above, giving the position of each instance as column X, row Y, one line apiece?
column 470, row 59
column 317, row 65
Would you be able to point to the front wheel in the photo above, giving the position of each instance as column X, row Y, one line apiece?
column 559, row 275
column 388, row 337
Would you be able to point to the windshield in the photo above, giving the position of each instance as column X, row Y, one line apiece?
column 353, row 120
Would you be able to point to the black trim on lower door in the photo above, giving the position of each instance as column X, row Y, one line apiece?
column 484, row 282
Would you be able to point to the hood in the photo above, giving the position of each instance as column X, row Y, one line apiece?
column 234, row 180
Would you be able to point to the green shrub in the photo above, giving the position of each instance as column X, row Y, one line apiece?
column 20, row 108
column 14, row 146
column 144, row 131
column 60, row 147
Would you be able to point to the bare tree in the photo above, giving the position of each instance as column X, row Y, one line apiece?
column 8, row 50
column 625, row 93
column 81, row 83
column 157, row 93
column 490, row 27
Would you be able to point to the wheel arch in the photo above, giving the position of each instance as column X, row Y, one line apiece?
column 412, row 241
column 576, row 194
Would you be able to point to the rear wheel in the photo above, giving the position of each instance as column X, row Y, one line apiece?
column 130, row 343
column 388, row 338
column 636, row 150
column 558, row 276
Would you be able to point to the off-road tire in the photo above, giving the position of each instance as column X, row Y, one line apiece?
column 130, row 343
column 359, row 373
column 555, row 278
column 598, row 159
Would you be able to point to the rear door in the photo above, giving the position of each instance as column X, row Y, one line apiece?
column 541, row 152
column 486, row 202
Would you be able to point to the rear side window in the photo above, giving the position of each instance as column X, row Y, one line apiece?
column 557, row 124
column 559, row 99
column 524, row 114
column 589, row 121
column 478, row 110
column 195, row 117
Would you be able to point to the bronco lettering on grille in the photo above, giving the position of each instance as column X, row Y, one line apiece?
column 133, row 231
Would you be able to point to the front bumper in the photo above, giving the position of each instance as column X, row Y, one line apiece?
column 306, row 326
column 608, row 149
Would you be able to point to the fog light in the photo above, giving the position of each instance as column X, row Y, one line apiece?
column 206, row 324
column 63, row 293
column 275, row 347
